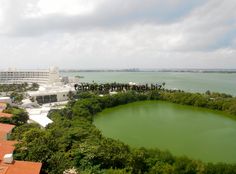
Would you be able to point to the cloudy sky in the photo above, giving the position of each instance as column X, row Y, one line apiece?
column 96, row 34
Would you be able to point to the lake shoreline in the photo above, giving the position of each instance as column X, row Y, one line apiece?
column 119, row 131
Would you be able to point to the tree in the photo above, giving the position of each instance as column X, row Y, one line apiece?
column 70, row 171
column 17, row 97
column 73, row 140
column 71, row 95
column 20, row 118
column 34, row 87
column 162, row 168
column 208, row 92
column 163, row 84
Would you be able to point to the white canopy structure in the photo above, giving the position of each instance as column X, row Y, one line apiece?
column 39, row 115
column 42, row 119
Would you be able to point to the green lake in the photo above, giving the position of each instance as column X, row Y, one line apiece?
column 183, row 130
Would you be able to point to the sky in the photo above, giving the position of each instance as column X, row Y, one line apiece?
column 118, row 34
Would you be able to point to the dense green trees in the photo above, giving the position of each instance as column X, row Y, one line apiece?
column 17, row 91
column 216, row 101
column 73, row 141
column 13, row 87
column 20, row 116
column 23, row 87
column 33, row 87
column 17, row 97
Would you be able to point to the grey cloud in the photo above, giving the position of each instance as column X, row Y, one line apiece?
column 135, row 33
column 210, row 27
column 110, row 14
column 205, row 25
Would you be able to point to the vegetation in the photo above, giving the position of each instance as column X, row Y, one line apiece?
column 16, row 91
column 17, row 97
column 18, row 87
column 72, row 141
column 20, row 116
column 215, row 101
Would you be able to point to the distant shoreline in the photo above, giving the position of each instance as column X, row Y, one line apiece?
column 151, row 70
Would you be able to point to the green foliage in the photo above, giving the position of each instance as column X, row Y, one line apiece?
column 19, row 131
column 17, row 97
column 117, row 171
column 220, row 168
column 13, row 87
column 17, row 91
column 184, row 165
column 232, row 109
column 33, row 87
column 162, row 168
column 73, row 141
column 19, row 117
column 18, row 87
column 111, row 153
column 216, row 101
column 58, row 162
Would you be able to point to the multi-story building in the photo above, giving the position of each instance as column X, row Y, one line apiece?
column 14, row 76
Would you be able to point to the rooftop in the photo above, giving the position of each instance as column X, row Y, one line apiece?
column 5, row 115
column 6, row 147
column 12, row 69
column 51, row 89
column 6, row 128
column 20, row 167
column 16, row 167
column 2, row 98
column 2, row 135
column 2, row 104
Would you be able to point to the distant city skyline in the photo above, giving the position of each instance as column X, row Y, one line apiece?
column 119, row 34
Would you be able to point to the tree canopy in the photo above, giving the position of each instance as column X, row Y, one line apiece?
column 72, row 140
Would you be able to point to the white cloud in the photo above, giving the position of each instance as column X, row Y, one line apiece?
column 118, row 34
column 72, row 7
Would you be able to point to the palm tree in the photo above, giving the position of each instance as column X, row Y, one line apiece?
column 163, row 84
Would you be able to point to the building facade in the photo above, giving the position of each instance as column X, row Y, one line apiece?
column 14, row 76
column 51, row 94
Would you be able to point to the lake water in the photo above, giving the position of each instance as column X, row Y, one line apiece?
column 183, row 130
column 192, row 82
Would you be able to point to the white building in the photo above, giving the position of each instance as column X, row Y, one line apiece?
column 5, row 100
column 14, row 76
column 51, row 94
column 70, row 80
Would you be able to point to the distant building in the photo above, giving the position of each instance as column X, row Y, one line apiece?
column 15, row 76
column 69, row 79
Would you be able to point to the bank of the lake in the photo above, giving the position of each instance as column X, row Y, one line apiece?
column 183, row 130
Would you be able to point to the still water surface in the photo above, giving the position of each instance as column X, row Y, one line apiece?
column 183, row 130
column 192, row 82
